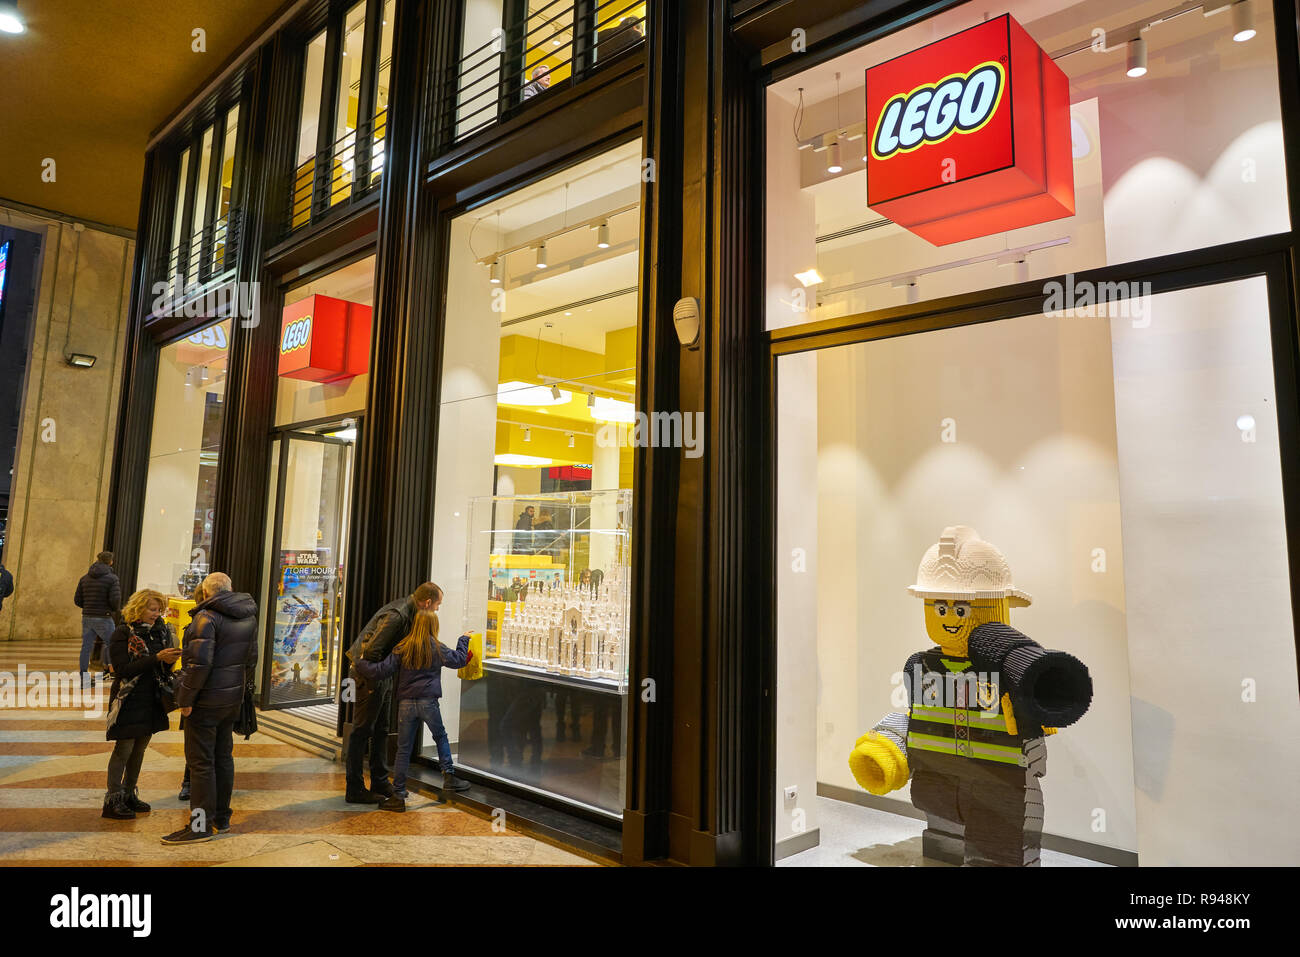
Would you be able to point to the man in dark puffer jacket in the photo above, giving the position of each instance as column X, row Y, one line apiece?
column 217, row 661
column 99, row 596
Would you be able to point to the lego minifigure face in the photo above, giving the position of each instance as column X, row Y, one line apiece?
column 949, row 622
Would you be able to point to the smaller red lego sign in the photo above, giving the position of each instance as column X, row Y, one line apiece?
column 970, row 135
column 323, row 339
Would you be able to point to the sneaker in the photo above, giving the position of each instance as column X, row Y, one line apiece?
column 452, row 783
column 116, row 809
column 363, row 797
column 220, row 827
column 187, row 835
column 393, row 803
column 135, row 804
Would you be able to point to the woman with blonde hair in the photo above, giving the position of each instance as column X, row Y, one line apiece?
column 140, row 653
column 418, row 660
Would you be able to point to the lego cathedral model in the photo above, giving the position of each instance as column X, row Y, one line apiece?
column 547, row 581
column 981, row 704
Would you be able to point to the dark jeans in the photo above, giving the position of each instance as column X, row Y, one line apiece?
column 124, row 763
column 369, row 729
column 210, row 754
column 411, row 713
column 92, row 628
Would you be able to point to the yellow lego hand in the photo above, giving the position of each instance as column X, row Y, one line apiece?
column 877, row 764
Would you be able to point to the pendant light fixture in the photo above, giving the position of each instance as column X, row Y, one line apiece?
column 541, row 255
column 1243, row 23
column 602, row 235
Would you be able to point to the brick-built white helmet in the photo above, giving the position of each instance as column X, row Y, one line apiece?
column 961, row 566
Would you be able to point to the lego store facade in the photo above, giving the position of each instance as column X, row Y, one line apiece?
column 855, row 433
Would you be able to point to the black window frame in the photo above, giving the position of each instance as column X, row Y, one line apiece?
column 178, row 257
column 321, row 203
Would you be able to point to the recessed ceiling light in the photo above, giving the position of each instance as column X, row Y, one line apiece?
column 11, row 20
column 809, row 278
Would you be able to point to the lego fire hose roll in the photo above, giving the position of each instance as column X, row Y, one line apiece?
column 1051, row 688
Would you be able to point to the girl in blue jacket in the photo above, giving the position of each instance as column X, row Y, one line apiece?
column 418, row 660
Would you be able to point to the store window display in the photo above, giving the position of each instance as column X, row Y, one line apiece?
column 532, row 525
column 1125, row 463
column 184, row 457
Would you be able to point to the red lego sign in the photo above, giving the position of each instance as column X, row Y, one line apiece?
column 324, row 339
column 970, row 135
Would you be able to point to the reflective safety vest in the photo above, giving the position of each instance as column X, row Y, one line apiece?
column 958, row 712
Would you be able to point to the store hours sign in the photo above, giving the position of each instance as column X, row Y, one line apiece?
column 970, row 135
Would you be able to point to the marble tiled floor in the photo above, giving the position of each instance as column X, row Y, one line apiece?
column 288, row 805
column 855, row 836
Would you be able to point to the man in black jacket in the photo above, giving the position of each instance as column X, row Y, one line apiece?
column 217, row 661
column 6, row 585
column 373, row 701
column 99, row 596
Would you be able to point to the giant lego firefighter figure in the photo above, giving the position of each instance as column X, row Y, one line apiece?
column 980, row 705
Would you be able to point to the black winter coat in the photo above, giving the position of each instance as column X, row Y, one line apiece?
column 99, row 594
column 142, row 712
column 220, row 652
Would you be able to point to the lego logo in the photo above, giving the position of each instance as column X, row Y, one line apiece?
column 296, row 335
column 961, row 103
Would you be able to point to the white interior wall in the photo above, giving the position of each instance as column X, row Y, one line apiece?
column 1205, row 563
column 466, row 449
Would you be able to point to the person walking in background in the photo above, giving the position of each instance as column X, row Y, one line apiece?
column 523, row 542
column 6, row 585
column 197, row 596
column 217, row 660
column 99, row 596
column 140, row 653
column 417, row 661
column 373, row 699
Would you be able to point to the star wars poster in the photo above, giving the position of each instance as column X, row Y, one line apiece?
column 301, row 612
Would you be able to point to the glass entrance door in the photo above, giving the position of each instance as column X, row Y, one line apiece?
column 307, row 559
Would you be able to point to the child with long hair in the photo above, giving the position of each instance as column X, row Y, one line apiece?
column 418, row 660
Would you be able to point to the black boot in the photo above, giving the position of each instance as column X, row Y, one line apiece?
column 185, row 791
column 116, row 808
column 132, row 799
column 452, row 783
column 359, row 795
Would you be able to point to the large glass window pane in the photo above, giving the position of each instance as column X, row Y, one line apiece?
column 221, row 230
column 380, row 127
column 300, row 400
column 534, row 475
column 1188, row 155
column 200, row 203
column 479, row 71
column 176, row 256
column 547, row 45
column 1126, row 463
column 347, row 104
column 180, row 492
column 308, row 130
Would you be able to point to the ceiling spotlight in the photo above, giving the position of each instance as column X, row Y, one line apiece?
column 810, row 277
column 78, row 359
column 11, row 20
column 591, row 400
column 541, row 255
column 203, row 374
column 555, row 393
column 528, row 434
column 1137, row 57
column 1243, row 24
column 570, row 440
column 833, row 157
column 602, row 236
column 494, row 273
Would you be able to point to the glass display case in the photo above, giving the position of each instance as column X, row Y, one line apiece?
column 547, row 587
